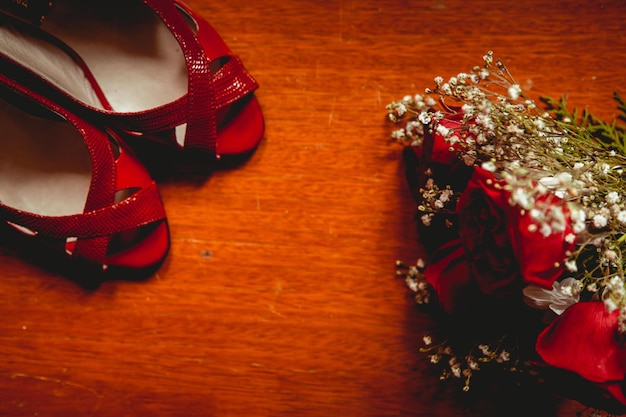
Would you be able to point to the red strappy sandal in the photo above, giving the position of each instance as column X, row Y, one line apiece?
column 75, row 188
column 153, row 68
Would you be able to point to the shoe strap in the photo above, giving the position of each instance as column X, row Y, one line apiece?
column 144, row 204
column 102, row 217
column 201, row 118
column 231, row 83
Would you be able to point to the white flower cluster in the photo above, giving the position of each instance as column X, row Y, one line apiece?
column 555, row 171
column 455, row 366
column 415, row 280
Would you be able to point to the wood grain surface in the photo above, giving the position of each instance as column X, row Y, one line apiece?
column 278, row 297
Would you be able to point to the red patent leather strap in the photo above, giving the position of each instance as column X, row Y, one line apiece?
column 144, row 205
column 201, row 118
column 230, row 83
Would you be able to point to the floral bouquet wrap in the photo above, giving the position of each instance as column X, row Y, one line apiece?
column 522, row 210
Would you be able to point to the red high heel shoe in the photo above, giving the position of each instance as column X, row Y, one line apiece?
column 74, row 187
column 153, row 68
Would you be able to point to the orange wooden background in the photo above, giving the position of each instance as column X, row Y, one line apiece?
column 279, row 296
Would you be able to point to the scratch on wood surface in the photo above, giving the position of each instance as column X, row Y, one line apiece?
column 192, row 240
column 61, row 382
column 277, row 290
column 332, row 111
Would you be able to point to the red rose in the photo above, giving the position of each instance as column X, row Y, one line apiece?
column 502, row 249
column 497, row 253
column 585, row 340
column 452, row 279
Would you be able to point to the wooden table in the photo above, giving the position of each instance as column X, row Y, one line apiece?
column 278, row 296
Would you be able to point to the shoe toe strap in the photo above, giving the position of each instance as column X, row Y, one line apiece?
column 206, row 92
column 142, row 208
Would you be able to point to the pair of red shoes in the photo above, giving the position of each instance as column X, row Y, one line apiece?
column 78, row 81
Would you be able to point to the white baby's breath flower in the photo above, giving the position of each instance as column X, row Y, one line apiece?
column 514, row 91
column 515, row 129
column 571, row 265
column 400, row 109
column 504, row 356
column 614, row 283
column 600, row 221
column 453, row 140
column 456, row 370
column 610, row 255
column 489, row 166
column 467, row 109
column 610, row 305
column 550, row 182
column 545, row 230
column 425, row 117
column 442, row 130
column 604, row 168
column 411, row 284
column 520, row 197
column 613, row 197
column 398, row 134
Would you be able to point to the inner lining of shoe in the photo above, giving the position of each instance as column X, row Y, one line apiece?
column 132, row 54
column 48, row 61
column 44, row 164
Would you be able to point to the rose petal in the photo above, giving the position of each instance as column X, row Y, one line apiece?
column 540, row 257
column 583, row 340
column 616, row 391
column 451, row 278
column 441, row 149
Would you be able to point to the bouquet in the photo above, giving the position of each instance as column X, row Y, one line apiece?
column 522, row 209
